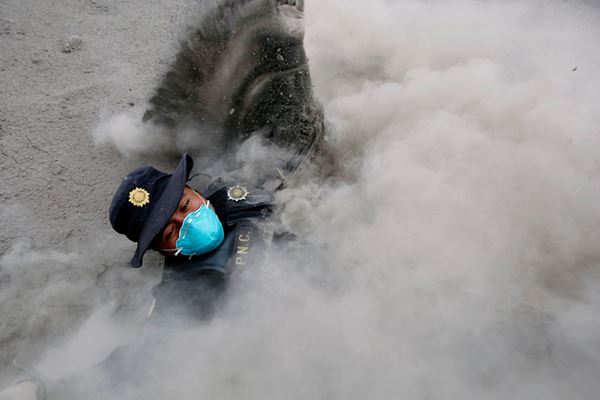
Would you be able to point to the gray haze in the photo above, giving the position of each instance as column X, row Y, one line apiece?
column 456, row 257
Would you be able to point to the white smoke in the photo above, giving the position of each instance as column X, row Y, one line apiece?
column 460, row 260
column 45, row 294
column 459, row 257
column 127, row 132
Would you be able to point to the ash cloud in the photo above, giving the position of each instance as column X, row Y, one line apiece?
column 459, row 254
column 46, row 294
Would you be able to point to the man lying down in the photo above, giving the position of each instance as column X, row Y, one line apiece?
column 204, row 237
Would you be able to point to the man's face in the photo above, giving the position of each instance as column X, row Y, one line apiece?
column 166, row 239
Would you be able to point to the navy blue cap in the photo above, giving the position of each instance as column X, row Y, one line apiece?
column 144, row 203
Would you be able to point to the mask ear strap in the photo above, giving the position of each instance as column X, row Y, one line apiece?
column 205, row 202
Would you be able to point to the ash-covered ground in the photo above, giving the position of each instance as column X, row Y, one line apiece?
column 457, row 252
column 64, row 65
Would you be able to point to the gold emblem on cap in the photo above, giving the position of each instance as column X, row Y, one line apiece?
column 139, row 197
column 237, row 193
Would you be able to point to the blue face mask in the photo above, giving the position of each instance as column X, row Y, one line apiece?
column 201, row 232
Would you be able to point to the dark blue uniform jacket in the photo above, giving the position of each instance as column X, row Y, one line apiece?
column 192, row 286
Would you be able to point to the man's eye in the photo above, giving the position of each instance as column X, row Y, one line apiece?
column 185, row 205
column 170, row 232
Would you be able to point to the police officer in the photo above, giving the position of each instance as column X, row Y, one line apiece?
column 204, row 235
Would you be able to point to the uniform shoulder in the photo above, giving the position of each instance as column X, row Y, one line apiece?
column 237, row 191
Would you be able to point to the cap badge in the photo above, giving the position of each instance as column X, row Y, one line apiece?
column 237, row 193
column 139, row 197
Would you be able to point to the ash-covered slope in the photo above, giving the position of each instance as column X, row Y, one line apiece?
column 63, row 64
